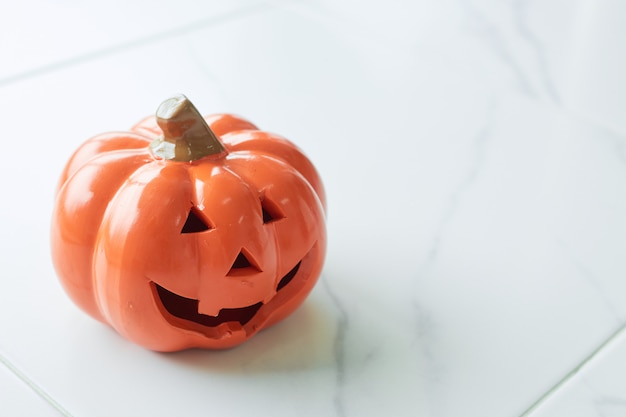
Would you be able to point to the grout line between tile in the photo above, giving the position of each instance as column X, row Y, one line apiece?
column 570, row 375
column 135, row 43
column 32, row 385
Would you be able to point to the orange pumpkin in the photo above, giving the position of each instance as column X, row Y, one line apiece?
column 189, row 231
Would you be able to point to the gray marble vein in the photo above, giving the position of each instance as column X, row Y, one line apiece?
column 131, row 44
column 494, row 39
column 610, row 406
column 523, row 29
column 479, row 140
column 339, row 350
column 592, row 279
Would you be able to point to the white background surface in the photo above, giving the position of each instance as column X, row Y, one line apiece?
column 474, row 157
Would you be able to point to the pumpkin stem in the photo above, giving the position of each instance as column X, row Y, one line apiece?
column 186, row 135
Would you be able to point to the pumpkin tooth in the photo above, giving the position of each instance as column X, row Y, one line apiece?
column 187, row 309
column 207, row 309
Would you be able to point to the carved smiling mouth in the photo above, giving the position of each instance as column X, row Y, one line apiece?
column 187, row 308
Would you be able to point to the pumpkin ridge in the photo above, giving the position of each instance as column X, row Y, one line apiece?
column 271, row 158
column 101, row 144
column 73, row 257
column 100, row 282
column 193, row 180
column 113, row 154
column 262, row 142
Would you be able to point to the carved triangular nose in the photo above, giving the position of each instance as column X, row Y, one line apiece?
column 244, row 285
column 244, row 264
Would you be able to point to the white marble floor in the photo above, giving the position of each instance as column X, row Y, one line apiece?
column 474, row 157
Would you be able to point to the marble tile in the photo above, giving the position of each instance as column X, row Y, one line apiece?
column 596, row 389
column 19, row 399
column 476, row 225
column 560, row 51
column 581, row 58
column 38, row 36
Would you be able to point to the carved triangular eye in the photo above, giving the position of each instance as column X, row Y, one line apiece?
column 271, row 211
column 196, row 222
column 243, row 264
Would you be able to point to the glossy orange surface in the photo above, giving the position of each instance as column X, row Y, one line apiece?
column 175, row 255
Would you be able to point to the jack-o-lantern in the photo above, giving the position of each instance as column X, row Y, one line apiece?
column 189, row 232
